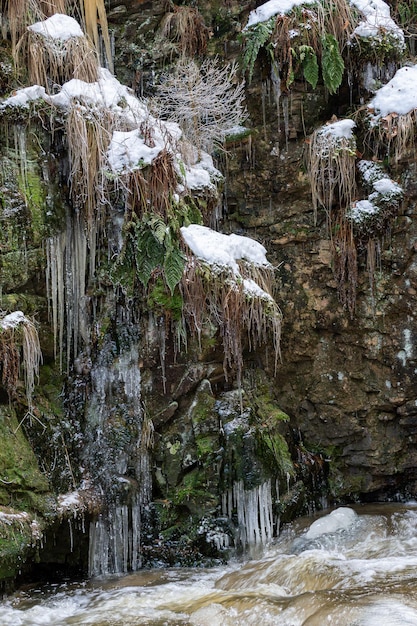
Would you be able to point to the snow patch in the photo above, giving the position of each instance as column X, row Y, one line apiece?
column 223, row 250
column 271, row 8
column 58, row 26
column 399, row 95
column 377, row 20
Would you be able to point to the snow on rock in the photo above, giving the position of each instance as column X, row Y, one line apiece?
column 271, row 8
column 9, row 518
column 253, row 290
column 399, row 95
column 223, row 250
column 384, row 193
column 338, row 130
column 23, row 97
column 128, row 151
column 58, row 26
column 339, row 519
column 202, row 174
column 377, row 20
column 69, row 502
column 362, row 210
column 12, row 320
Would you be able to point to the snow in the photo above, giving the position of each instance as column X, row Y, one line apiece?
column 12, row 320
column 252, row 289
column 399, row 95
column 387, row 186
column 68, row 500
column 384, row 191
column 271, row 8
column 202, row 174
column 129, row 151
column 362, row 209
column 339, row 130
column 22, row 97
column 9, row 518
column 58, row 26
column 223, row 250
column 377, row 20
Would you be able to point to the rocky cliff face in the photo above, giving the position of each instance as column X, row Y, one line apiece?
column 214, row 465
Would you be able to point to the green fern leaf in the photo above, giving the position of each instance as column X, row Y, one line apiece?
column 174, row 263
column 310, row 66
column 255, row 38
column 332, row 63
column 157, row 226
column 149, row 254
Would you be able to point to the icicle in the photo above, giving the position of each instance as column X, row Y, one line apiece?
column 276, row 86
column 254, row 512
column 285, row 112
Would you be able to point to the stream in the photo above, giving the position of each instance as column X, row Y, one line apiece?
column 352, row 566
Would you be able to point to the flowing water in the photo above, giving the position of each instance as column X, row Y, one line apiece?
column 355, row 566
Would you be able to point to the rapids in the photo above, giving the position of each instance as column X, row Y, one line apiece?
column 354, row 566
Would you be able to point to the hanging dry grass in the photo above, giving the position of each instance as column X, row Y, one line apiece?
column 345, row 264
column 93, row 13
column 88, row 133
column 10, row 362
column 185, row 27
column 53, row 61
column 331, row 166
column 18, row 334
column 395, row 135
column 338, row 18
column 153, row 187
column 22, row 13
column 236, row 307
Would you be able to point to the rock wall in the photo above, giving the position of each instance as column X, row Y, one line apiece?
column 336, row 421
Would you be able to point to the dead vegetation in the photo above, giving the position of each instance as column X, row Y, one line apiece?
column 19, row 346
column 185, row 27
column 332, row 169
column 213, row 295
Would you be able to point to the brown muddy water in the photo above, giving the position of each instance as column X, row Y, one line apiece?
column 354, row 566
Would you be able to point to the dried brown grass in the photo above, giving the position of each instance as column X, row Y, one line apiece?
column 332, row 170
column 88, row 133
column 214, row 296
column 93, row 14
column 19, row 345
column 185, row 27
column 394, row 135
column 152, row 187
column 345, row 264
column 54, row 62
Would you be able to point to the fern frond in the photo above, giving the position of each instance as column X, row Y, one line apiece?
column 157, row 227
column 309, row 64
column 332, row 64
column 149, row 254
column 255, row 38
column 174, row 264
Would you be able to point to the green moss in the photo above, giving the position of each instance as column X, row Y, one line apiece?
column 19, row 471
column 14, row 543
column 193, row 492
column 33, row 190
column 160, row 300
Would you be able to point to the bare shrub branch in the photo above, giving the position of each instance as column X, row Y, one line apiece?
column 206, row 101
